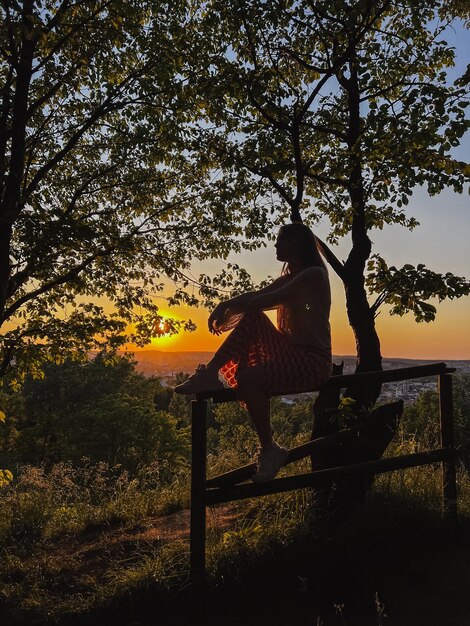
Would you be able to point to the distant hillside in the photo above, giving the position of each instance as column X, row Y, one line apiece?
column 462, row 366
column 157, row 362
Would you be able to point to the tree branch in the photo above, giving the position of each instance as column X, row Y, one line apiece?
column 105, row 107
column 73, row 31
column 328, row 180
column 325, row 129
column 299, row 174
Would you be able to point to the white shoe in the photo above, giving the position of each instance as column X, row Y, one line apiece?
column 201, row 380
column 270, row 460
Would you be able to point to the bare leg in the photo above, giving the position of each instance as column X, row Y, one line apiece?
column 218, row 360
column 250, row 388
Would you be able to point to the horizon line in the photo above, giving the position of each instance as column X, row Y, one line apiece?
column 346, row 356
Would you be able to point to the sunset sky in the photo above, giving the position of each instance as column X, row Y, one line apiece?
column 441, row 242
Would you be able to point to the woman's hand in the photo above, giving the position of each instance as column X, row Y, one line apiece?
column 219, row 314
column 216, row 318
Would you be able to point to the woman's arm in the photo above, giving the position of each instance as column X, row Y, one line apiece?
column 245, row 297
column 239, row 304
column 295, row 291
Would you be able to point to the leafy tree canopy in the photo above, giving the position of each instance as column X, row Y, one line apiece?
column 336, row 109
column 100, row 198
column 138, row 136
column 99, row 410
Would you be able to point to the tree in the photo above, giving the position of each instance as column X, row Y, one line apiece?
column 98, row 410
column 136, row 136
column 5, row 475
column 336, row 109
column 236, row 438
column 180, row 406
column 99, row 200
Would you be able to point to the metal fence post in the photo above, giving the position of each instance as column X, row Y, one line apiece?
column 449, row 485
column 198, row 500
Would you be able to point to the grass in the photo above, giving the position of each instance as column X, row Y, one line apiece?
column 101, row 555
column 391, row 553
column 44, row 506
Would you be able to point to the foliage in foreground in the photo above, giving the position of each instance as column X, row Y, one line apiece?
column 276, row 542
column 86, row 534
column 100, row 409
column 138, row 136
column 65, row 501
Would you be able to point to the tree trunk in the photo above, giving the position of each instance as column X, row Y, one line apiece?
column 5, row 267
column 11, row 204
column 360, row 315
column 326, row 403
column 372, row 442
column 369, row 358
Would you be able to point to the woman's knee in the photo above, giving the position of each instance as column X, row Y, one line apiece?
column 252, row 317
column 250, row 378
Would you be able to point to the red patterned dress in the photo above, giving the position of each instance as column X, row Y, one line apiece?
column 296, row 356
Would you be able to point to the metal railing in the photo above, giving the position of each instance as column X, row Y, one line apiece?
column 231, row 485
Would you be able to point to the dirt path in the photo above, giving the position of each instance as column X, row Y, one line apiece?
column 88, row 552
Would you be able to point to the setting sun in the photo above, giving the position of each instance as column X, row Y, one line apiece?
column 165, row 331
column 162, row 328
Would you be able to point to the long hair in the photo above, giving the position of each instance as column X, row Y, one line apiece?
column 309, row 249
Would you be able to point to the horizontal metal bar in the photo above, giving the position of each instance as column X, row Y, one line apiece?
column 385, row 376
column 319, row 477
column 295, row 454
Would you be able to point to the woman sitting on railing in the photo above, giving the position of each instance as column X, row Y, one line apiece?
column 261, row 360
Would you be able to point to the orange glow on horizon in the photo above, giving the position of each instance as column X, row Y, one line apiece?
column 401, row 337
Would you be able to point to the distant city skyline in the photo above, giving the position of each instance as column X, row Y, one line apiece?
column 166, row 365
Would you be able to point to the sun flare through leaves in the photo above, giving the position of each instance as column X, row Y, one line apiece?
column 165, row 330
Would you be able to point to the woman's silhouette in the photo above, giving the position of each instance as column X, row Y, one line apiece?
column 261, row 360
